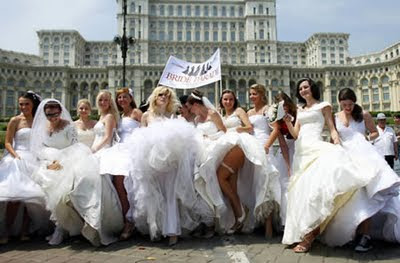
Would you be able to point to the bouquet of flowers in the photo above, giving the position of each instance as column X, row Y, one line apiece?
column 276, row 112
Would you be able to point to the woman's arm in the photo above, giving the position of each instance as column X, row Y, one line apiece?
column 285, row 151
column 272, row 137
column 370, row 125
column 294, row 131
column 10, row 133
column 137, row 115
column 327, row 112
column 144, row 120
column 109, row 125
column 244, row 118
column 216, row 118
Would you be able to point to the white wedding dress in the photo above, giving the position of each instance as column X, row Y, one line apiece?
column 262, row 132
column 79, row 200
column 16, row 184
column 161, row 184
column 258, row 183
column 324, row 178
column 373, row 198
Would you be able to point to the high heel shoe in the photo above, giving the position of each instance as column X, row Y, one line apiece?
column 239, row 221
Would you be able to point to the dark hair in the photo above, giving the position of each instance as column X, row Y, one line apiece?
column 32, row 96
column 348, row 94
column 287, row 102
column 144, row 106
column 228, row 91
column 122, row 91
column 52, row 105
column 314, row 90
column 183, row 99
column 194, row 97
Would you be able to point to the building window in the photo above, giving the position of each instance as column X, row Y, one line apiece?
column 188, row 10
column 261, row 34
column 232, row 12
column 365, row 96
column 179, row 35
column 215, row 35
column 215, row 11
column 241, row 36
column 162, row 10
column 153, row 10
column 206, row 36
column 386, row 93
column 180, row 10
column 233, row 36
column 197, row 36
column 205, row 10
column 197, row 10
column 224, row 36
column 171, row 35
column 170, row 10
column 188, row 35
column 223, row 11
column 240, row 11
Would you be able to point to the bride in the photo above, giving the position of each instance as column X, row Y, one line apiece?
column 324, row 176
column 232, row 165
column 17, row 189
column 162, row 152
column 69, row 176
column 378, row 195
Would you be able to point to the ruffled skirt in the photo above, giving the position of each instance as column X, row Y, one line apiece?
column 161, row 183
column 258, row 182
column 80, row 200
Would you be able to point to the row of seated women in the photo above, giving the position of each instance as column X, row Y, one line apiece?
column 200, row 173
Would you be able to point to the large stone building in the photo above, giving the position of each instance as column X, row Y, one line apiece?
column 69, row 67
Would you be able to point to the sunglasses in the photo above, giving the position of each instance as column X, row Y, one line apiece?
column 52, row 115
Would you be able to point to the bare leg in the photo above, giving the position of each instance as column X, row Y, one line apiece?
column 232, row 161
column 363, row 228
column 268, row 227
column 25, row 226
column 129, row 227
column 11, row 213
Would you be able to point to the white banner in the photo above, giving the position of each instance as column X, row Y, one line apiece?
column 180, row 74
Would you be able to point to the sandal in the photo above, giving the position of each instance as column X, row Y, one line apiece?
column 305, row 245
column 239, row 222
column 127, row 232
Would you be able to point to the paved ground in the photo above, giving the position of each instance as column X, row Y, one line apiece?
column 237, row 248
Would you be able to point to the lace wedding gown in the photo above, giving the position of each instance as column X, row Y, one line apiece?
column 76, row 195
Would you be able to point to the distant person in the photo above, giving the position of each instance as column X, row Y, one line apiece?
column 184, row 109
column 396, row 128
column 386, row 143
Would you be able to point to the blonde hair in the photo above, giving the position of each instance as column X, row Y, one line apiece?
column 260, row 89
column 84, row 101
column 113, row 107
column 173, row 102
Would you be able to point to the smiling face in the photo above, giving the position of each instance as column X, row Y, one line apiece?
column 53, row 114
column 228, row 101
column 103, row 102
column 84, row 109
column 255, row 97
column 25, row 106
column 124, row 100
column 347, row 106
column 305, row 90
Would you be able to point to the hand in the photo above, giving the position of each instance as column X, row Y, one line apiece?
column 288, row 118
column 266, row 148
column 336, row 140
column 55, row 166
column 17, row 157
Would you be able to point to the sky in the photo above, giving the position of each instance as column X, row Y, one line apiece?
column 372, row 25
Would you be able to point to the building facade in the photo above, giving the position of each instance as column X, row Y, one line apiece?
column 69, row 67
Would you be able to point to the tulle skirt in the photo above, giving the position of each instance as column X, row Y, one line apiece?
column 324, row 179
column 369, row 200
column 161, row 183
column 258, row 182
column 80, row 200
